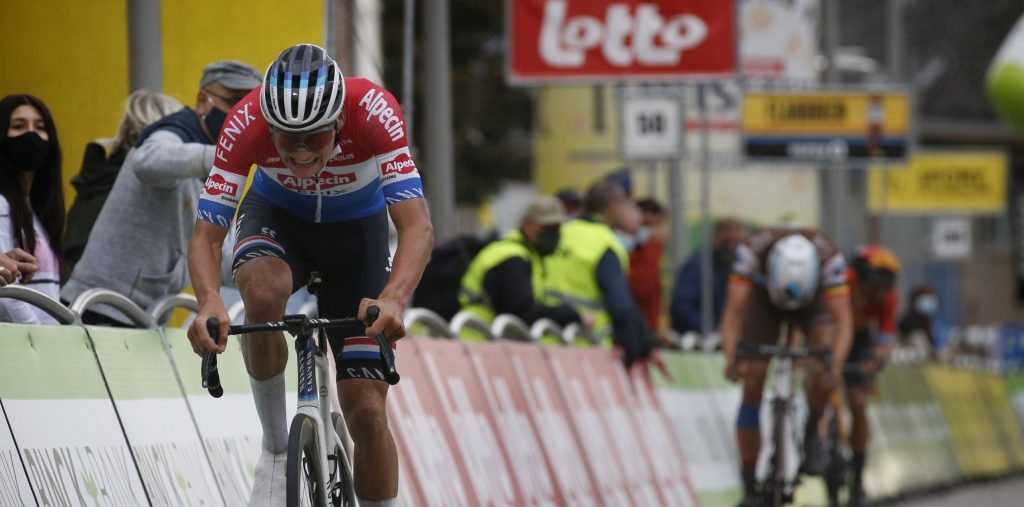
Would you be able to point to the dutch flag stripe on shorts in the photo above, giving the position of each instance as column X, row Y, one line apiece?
column 361, row 347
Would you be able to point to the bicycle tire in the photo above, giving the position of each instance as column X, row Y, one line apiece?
column 343, row 493
column 305, row 479
column 835, row 473
column 775, row 492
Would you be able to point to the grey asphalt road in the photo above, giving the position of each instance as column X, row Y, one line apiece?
column 1002, row 493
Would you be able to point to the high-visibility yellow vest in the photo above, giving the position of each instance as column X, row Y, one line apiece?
column 572, row 269
column 472, row 295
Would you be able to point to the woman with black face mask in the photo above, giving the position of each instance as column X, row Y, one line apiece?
column 31, row 201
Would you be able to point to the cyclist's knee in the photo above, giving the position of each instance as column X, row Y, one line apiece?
column 265, row 287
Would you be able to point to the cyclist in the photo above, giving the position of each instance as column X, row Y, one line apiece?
column 872, row 278
column 332, row 164
column 797, row 275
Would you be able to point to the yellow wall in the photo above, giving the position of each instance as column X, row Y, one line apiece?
column 196, row 32
column 74, row 56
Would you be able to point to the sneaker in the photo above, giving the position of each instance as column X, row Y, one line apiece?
column 268, row 489
column 815, row 457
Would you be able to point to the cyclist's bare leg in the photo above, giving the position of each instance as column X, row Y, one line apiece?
column 265, row 284
column 375, row 458
column 819, row 386
column 748, row 436
column 857, row 397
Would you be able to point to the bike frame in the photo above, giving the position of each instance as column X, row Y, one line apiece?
column 313, row 398
column 783, row 387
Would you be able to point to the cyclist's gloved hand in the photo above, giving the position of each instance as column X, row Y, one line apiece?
column 200, row 337
column 389, row 321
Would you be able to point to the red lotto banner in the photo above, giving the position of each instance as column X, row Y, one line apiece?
column 655, row 434
column 609, row 438
column 554, row 425
column 518, row 430
column 426, row 445
column 460, row 397
column 601, row 40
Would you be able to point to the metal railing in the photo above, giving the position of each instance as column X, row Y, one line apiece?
column 545, row 327
column 160, row 307
column 434, row 323
column 507, row 326
column 52, row 307
column 472, row 321
column 92, row 297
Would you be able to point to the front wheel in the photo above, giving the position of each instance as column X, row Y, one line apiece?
column 305, row 476
column 343, row 489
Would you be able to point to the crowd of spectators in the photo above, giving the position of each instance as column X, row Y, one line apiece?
column 593, row 258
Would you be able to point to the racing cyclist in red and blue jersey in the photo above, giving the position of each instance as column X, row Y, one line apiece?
column 332, row 163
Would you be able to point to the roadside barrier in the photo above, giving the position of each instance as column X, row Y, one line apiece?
column 102, row 416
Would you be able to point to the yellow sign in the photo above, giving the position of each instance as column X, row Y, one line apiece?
column 825, row 113
column 941, row 182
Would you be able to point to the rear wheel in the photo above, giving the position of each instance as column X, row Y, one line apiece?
column 835, row 473
column 305, row 476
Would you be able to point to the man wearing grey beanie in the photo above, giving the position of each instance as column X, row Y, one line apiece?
column 137, row 247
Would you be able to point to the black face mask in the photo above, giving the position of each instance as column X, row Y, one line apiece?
column 214, row 120
column 547, row 242
column 27, row 152
column 723, row 256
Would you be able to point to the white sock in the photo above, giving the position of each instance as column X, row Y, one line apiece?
column 270, row 406
column 393, row 502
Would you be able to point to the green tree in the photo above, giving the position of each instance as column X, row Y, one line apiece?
column 492, row 121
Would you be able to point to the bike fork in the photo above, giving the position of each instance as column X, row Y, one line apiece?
column 313, row 400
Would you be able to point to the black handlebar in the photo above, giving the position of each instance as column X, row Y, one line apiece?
column 211, row 377
column 387, row 354
column 296, row 325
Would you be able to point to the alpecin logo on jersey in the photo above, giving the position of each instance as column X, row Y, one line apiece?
column 216, row 185
column 402, row 164
column 376, row 105
column 327, row 180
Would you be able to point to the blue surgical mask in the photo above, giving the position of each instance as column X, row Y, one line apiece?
column 643, row 235
column 627, row 241
column 927, row 305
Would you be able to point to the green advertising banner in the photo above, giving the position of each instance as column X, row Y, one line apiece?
column 69, row 436
column 155, row 416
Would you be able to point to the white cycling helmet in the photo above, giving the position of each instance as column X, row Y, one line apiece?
column 792, row 272
column 302, row 90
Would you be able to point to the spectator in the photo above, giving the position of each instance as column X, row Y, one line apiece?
column 685, row 306
column 588, row 271
column 16, row 264
column 572, row 200
column 31, row 203
column 102, row 161
column 138, row 245
column 917, row 326
column 645, row 262
column 507, row 276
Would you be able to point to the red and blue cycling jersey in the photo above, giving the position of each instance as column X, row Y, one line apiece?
column 370, row 168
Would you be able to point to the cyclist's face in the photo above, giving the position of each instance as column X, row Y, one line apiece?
column 305, row 153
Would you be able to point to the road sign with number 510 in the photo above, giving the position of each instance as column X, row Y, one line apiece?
column 652, row 127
